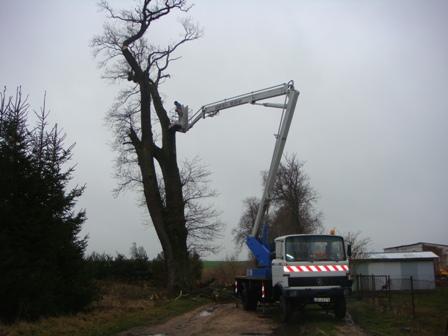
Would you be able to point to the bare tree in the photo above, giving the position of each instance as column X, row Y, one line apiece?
column 293, row 199
column 359, row 244
column 144, row 136
column 292, row 205
column 202, row 220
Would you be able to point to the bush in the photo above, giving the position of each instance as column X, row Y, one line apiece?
column 137, row 267
column 104, row 267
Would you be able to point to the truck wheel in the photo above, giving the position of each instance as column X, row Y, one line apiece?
column 248, row 299
column 286, row 307
column 340, row 307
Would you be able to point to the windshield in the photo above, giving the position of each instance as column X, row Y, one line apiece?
column 314, row 248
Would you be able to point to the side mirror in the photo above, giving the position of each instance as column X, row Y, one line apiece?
column 349, row 250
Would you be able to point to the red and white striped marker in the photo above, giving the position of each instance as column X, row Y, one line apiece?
column 315, row 268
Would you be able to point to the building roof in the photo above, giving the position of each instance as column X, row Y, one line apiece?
column 424, row 243
column 397, row 256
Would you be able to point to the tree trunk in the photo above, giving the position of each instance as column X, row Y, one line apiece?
column 167, row 214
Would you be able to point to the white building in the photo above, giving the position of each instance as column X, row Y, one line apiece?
column 377, row 271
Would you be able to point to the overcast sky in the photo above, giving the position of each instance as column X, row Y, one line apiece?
column 371, row 122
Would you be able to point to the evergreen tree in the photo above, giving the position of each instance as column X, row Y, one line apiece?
column 42, row 267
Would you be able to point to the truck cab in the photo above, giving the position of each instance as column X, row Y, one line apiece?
column 311, row 268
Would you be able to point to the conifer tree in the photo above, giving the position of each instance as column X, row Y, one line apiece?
column 42, row 267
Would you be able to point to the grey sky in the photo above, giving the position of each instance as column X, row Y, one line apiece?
column 371, row 121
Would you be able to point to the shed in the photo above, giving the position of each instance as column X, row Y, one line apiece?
column 377, row 271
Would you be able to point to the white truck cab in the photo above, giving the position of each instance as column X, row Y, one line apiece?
column 311, row 268
column 304, row 260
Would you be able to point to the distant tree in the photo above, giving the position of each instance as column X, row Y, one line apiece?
column 359, row 244
column 145, row 135
column 138, row 252
column 42, row 254
column 292, row 206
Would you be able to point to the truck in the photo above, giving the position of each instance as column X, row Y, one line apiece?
column 304, row 269
column 300, row 269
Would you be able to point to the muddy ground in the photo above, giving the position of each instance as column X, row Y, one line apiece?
column 230, row 319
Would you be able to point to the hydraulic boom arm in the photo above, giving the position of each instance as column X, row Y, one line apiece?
column 210, row 110
column 276, row 157
column 185, row 123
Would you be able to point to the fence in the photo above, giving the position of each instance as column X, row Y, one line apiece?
column 376, row 283
column 383, row 286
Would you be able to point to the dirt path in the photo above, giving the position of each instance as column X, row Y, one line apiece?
column 213, row 319
column 229, row 320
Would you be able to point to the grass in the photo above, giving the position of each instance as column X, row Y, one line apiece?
column 378, row 318
column 121, row 307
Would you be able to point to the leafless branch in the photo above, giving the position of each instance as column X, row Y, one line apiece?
column 292, row 204
column 359, row 244
column 202, row 219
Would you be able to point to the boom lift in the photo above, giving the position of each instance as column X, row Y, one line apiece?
column 287, row 277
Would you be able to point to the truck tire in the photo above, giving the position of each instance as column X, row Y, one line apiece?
column 248, row 299
column 286, row 306
column 340, row 307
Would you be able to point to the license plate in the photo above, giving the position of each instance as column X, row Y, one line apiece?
column 322, row 300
